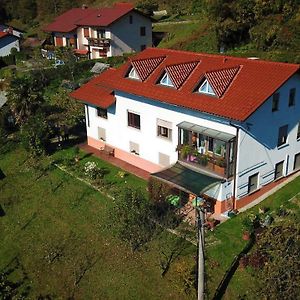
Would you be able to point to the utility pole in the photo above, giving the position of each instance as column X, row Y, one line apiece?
column 201, row 279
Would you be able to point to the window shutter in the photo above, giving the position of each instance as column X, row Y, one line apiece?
column 101, row 134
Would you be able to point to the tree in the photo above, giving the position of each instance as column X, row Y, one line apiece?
column 279, row 276
column 130, row 218
column 35, row 134
column 24, row 97
column 65, row 110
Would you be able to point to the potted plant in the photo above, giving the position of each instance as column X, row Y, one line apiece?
column 220, row 166
column 185, row 151
column 248, row 228
column 203, row 159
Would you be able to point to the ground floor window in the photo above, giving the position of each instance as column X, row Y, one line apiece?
column 297, row 161
column 101, row 134
column 278, row 170
column 253, row 183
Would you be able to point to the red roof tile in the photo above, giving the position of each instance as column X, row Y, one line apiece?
column 144, row 67
column 254, row 83
column 180, row 72
column 95, row 94
column 3, row 34
column 75, row 17
column 221, row 79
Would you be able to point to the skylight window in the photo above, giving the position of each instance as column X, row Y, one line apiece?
column 133, row 74
column 206, row 88
column 166, row 80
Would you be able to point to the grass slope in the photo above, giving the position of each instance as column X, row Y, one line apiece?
column 55, row 240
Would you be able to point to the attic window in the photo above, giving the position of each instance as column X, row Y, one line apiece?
column 166, row 80
column 205, row 88
column 133, row 74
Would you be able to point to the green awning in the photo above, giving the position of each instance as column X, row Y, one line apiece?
column 186, row 179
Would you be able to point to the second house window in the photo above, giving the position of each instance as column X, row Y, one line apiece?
column 143, row 31
column 101, row 112
column 134, row 120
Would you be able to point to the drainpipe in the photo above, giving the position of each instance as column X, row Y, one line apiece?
column 235, row 164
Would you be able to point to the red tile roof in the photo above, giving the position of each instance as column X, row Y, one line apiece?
column 221, row 79
column 252, row 85
column 3, row 34
column 144, row 67
column 180, row 72
column 95, row 94
column 75, row 17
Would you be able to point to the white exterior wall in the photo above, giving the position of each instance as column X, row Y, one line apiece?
column 7, row 43
column 257, row 141
column 119, row 134
column 126, row 37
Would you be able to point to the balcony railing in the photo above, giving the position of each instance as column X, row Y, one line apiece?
column 209, row 162
column 99, row 42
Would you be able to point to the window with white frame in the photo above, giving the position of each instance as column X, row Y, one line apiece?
column 282, row 135
column 297, row 161
column 133, row 74
column 134, row 120
column 253, row 183
column 166, row 80
column 134, row 148
column 101, row 134
column 206, row 88
column 164, row 129
column 278, row 170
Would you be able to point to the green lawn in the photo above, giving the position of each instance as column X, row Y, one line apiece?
column 226, row 242
column 55, row 241
column 54, row 237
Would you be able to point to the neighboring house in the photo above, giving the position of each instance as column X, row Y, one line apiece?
column 9, row 38
column 102, row 32
column 12, row 30
column 212, row 125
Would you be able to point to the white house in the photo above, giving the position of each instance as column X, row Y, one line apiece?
column 108, row 31
column 232, row 122
column 9, row 39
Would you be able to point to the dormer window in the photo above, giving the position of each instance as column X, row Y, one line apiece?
column 133, row 74
column 166, row 80
column 206, row 88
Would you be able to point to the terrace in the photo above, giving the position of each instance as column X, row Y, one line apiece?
column 206, row 149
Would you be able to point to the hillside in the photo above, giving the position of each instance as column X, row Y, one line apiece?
column 269, row 30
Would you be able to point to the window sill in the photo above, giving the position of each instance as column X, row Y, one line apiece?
column 134, row 128
column 278, row 178
column 164, row 138
column 282, row 146
column 250, row 193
